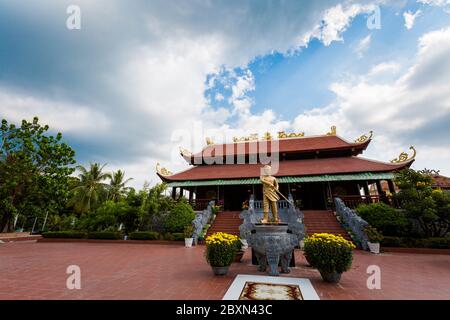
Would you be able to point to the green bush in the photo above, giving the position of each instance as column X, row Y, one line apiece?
column 105, row 235
column 433, row 243
column 373, row 234
column 168, row 236
column 392, row 242
column 64, row 234
column 388, row 220
column 178, row 236
column 188, row 230
column 144, row 235
column 181, row 215
column 438, row 243
column 329, row 253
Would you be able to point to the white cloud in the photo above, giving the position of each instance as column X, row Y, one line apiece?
column 219, row 97
column 363, row 45
column 410, row 18
column 439, row 3
column 164, row 55
column 338, row 18
column 60, row 115
column 383, row 68
column 414, row 108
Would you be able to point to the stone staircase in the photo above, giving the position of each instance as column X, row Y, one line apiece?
column 320, row 221
column 226, row 221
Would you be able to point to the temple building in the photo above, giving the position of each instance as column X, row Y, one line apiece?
column 310, row 169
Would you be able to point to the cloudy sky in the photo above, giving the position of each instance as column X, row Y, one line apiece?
column 139, row 79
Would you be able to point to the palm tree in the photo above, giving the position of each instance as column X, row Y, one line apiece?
column 117, row 185
column 90, row 189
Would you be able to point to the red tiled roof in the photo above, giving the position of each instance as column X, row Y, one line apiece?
column 290, row 145
column 304, row 167
column 441, row 181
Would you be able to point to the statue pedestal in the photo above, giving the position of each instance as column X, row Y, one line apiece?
column 273, row 245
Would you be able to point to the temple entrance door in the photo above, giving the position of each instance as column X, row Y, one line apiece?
column 234, row 196
column 313, row 196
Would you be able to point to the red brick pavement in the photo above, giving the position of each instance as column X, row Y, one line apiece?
column 147, row 271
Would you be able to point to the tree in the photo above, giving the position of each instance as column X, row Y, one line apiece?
column 117, row 184
column 430, row 208
column 34, row 171
column 180, row 216
column 90, row 190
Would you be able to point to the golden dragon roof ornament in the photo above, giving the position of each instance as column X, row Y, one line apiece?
column 209, row 141
column 282, row 135
column 162, row 171
column 364, row 137
column 252, row 137
column 404, row 157
column 332, row 131
column 267, row 136
column 185, row 152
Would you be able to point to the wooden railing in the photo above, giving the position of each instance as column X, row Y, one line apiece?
column 354, row 201
column 202, row 204
column 282, row 204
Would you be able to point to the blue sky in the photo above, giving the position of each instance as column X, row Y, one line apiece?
column 140, row 79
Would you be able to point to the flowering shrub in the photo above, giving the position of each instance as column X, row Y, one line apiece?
column 329, row 253
column 221, row 249
column 373, row 234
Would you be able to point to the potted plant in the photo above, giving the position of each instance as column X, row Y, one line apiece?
column 330, row 254
column 188, row 230
column 239, row 252
column 374, row 237
column 220, row 251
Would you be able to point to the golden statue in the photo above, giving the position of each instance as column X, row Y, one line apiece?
column 270, row 195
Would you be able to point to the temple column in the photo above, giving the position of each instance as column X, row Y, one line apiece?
column 174, row 192
column 391, row 186
column 366, row 188
column 379, row 188
column 181, row 192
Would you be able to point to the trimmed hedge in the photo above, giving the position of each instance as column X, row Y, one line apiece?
column 144, row 235
column 106, row 235
column 64, row 234
column 384, row 218
column 178, row 236
column 435, row 243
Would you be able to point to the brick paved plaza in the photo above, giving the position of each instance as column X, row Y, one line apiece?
column 32, row 270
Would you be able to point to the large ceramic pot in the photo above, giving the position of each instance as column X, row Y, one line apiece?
column 220, row 271
column 333, row 277
column 238, row 256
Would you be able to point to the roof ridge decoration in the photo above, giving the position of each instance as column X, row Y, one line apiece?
column 364, row 137
column 185, row 152
column 332, row 131
column 251, row 137
column 209, row 141
column 163, row 171
column 283, row 135
column 431, row 172
column 404, row 157
column 267, row 136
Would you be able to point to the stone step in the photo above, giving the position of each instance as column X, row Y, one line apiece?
column 323, row 221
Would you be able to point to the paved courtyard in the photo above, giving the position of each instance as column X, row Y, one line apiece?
column 30, row 270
